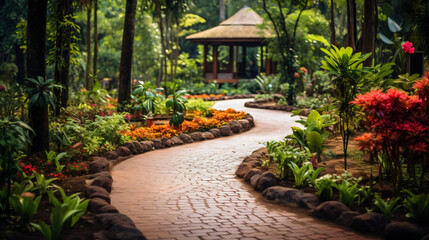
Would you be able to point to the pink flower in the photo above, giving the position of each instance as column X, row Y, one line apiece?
column 128, row 117
column 408, row 47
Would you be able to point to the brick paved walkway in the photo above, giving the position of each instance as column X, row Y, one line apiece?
column 191, row 192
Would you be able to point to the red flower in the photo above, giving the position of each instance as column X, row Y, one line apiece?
column 408, row 47
column 3, row 88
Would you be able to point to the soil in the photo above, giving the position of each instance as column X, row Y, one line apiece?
column 82, row 230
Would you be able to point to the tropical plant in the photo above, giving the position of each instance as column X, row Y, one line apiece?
column 324, row 188
column 147, row 97
column 313, row 136
column 42, row 184
column 52, row 156
column 64, row 214
column 417, row 206
column 304, row 173
column 14, row 137
column 347, row 69
column 282, row 156
column 40, row 94
column 268, row 84
column 24, row 208
column 349, row 192
column 387, row 208
column 176, row 102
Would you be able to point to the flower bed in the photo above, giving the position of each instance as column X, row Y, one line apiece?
column 218, row 119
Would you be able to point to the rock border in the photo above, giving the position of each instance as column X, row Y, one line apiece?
column 222, row 98
column 258, row 103
column 118, row 226
column 371, row 222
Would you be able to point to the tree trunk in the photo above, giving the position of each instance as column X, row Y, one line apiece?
column 367, row 41
column 221, row 11
column 88, row 78
column 65, row 71
column 20, row 63
column 161, row 33
column 332, row 24
column 127, row 52
column 94, row 68
column 36, row 39
column 351, row 24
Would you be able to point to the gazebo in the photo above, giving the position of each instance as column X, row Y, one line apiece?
column 235, row 35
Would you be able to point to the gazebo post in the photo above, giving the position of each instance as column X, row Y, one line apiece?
column 267, row 64
column 214, row 61
column 231, row 59
column 243, row 60
column 205, row 61
column 262, row 58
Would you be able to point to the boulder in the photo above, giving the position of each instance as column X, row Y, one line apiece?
column 166, row 142
column 197, row 136
column 157, row 143
column 132, row 148
column 244, row 124
column 107, row 209
column 147, row 145
column 254, row 179
column 370, row 222
column 138, row 146
column 346, row 218
column 99, row 164
column 99, row 174
column 176, row 141
column 96, row 203
column 103, row 182
column 283, row 195
column 308, row 200
column 330, row 210
column 243, row 169
column 225, row 130
column 111, row 155
column 250, row 174
column 123, row 151
column 215, row 132
column 100, row 194
column 235, row 126
column 89, row 190
column 208, row 135
column 404, row 230
column 266, row 180
column 185, row 138
column 119, row 226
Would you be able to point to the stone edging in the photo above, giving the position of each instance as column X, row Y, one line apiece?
column 259, row 104
column 99, row 185
column 336, row 211
column 222, row 98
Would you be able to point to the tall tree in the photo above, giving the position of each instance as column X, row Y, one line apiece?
column 88, row 78
column 36, row 38
column 285, row 41
column 127, row 52
column 62, row 21
column 351, row 24
column 94, row 68
column 332, row 23
column 367, row 41
column 221, row 11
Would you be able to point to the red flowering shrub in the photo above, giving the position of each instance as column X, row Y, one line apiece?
column 400, row 127
column 408, row 47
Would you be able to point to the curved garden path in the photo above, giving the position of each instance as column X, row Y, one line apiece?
column 191, row 192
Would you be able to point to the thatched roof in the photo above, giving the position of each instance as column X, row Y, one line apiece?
column 242, row 26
